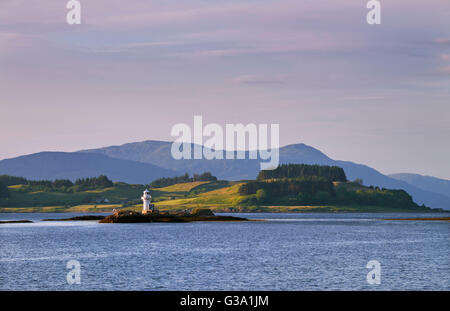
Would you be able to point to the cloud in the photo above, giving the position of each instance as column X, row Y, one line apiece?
column 269, row 49
column 253, row 79
column 441, row 41
column 174, row 14
column 444, row 70
column 445, row 57
column 152, row 44
column 131, row 47
column 270, row 42
column 363, row 98
column 11, row 41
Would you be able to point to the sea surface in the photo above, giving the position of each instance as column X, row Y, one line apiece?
column 283, row 252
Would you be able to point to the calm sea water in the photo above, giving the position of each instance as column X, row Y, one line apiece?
column 284, row 252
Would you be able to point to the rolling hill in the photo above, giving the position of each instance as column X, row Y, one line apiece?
column 142, row 162
column 59, row 165
column 427, row 183
column 158, row 153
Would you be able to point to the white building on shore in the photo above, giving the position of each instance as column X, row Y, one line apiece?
column 148, row 207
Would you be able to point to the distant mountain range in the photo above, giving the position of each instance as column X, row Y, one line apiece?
column 73, row 165
column 427, row 183
column 143, row 162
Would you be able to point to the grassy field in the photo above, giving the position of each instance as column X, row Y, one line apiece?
column 121, row 195
column 61, row 209
column 182, row 188
column 219, row 196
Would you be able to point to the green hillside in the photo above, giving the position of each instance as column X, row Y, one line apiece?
column 228, row 199
column 306, row 189
column 34, row 198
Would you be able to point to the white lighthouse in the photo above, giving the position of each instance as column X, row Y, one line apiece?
column 147, row 199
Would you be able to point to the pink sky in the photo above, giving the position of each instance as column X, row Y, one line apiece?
column 377, row 95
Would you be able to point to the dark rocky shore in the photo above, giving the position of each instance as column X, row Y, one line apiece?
column 135, row 217
column 15, row 221
column 87, row 217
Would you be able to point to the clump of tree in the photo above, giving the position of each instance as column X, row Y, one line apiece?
column 36, row 185
column 375, row 196
column 261, row 195
column 168, row 181
column 12, row 180
column 93, row 183
column 277, row 188
column 358, row 181
column 302, row 184
column 58, row 185
column 315, row 191
column 4, row 192
column 330, row 173
column 62, row 183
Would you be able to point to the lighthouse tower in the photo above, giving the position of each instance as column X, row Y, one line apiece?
column 146, row 199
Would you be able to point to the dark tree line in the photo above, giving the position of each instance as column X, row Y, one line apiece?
column 59, row 185
column 168, row 181
column 49, row 185
column 12, row 180
column 93, row 183
column 331, row 173
column 4, row 193
column 375, row 196
column 320, row 191
column 313, row 184
column 277, row 188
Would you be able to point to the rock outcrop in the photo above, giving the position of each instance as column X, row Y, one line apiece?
column 15, row 221
column 86, row 217
column 135, row 217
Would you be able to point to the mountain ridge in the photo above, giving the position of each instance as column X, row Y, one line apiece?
column 424, row 182
column 72, row 165
column 248, row 169
column 151, row 159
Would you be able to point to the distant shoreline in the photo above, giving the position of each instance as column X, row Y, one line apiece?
column 290, row 210
column 291, row 188
column 422, row 218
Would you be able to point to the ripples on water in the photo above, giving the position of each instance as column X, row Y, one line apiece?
column 285, row 252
